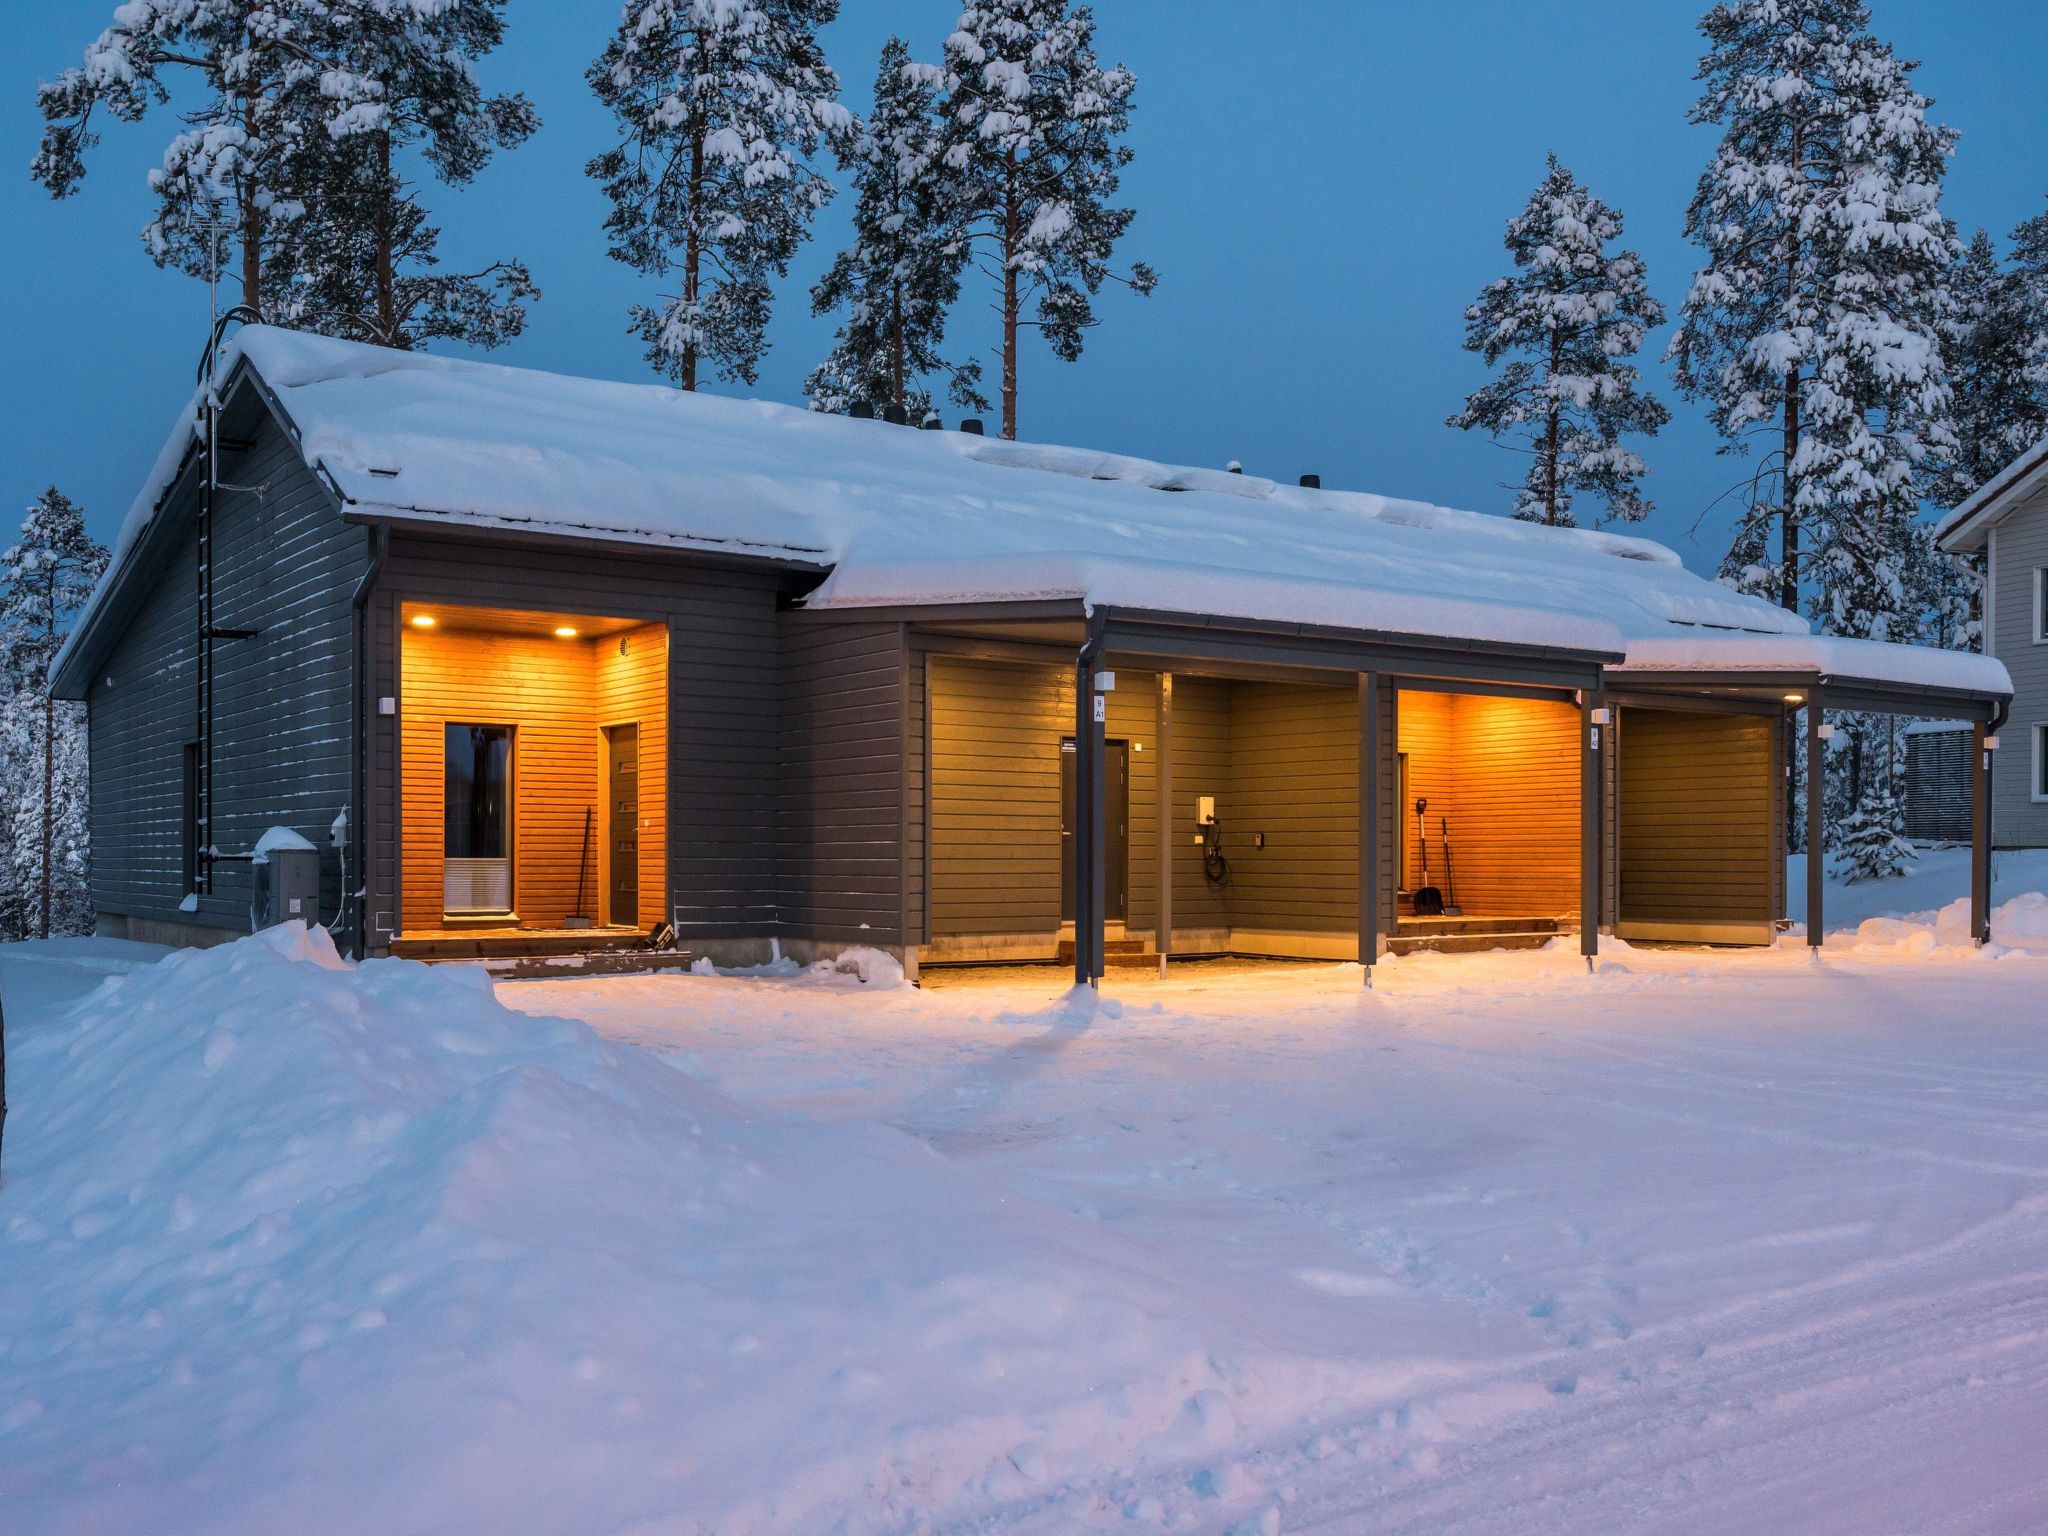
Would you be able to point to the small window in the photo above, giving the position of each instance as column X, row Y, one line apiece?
column 2040, row 766
column 188, row 819
column 2041, row 606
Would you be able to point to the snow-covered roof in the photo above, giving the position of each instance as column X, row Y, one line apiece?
column 901, row 517
column 1964, row 529
column 1821, row 656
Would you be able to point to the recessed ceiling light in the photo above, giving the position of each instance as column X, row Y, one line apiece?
column 565, row 631
column 1795, row 698
column 423, row 621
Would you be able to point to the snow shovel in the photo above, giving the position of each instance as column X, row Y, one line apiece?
column 1451, row 907
column 1429, row 901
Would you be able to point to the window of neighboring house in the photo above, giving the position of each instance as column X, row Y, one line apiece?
column 2041, row 606
column 2040, row 774
column 188, row 821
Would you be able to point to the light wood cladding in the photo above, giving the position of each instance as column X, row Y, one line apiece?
column 556, row 695
column 1506, row 773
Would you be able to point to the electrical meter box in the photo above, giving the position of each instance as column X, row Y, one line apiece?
column 287, row 887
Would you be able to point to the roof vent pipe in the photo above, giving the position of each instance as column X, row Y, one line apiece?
column 1234, row 467
column 1312, row 482
column 933, row 424
column 861, row 410
column 971, row 426
column 895, row 415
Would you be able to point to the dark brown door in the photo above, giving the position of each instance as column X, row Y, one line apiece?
column 1116, row 799
column 622, row 786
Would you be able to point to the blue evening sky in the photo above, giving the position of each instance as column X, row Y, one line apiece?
column 1322, row 183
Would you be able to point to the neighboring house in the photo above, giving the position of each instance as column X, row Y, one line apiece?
column 544, row 650
column 1939, row 755
column 2006, row 522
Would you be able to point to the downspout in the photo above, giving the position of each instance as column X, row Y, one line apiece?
column 359, row 759
column 1981, row 889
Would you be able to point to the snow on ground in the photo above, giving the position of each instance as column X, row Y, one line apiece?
column 1707, row 1243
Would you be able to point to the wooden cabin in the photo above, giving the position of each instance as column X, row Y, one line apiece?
column 544, row 663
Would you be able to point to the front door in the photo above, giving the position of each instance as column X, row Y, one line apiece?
column 622, row 830
column 1116, row 799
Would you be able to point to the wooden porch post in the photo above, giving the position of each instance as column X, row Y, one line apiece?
column 1980, row 834
column 1086, row 758
column 1816, row 831
column 1591, row 718
column 1368, row 822
column 1163, row 771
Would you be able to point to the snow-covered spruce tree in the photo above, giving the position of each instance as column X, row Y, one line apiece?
column 44, row 581
column 401, row 85
column 2030, row 260
column 901, row 274
column 1032, row 138
column 1871, row 842
column 1998, row 366
column 723, row 106
column 1817, row 319
column 1567, row 320
column 249, row 64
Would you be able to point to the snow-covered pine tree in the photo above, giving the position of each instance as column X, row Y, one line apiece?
column 723, row 106
column 362, row 259
column 901, row 274
column 44, row 581
column 1871, row 838
column 1567, row 319
column 2030, row 261
column 250, row 62
column 1817, row 320
column 1998, row 364
column 1033, row 140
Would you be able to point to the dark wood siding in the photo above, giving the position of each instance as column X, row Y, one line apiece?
column 841, row 818
column 284, row 566
column 1697, row 811
column 724, row 774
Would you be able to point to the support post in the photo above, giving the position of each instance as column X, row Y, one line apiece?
column 1084, row 801
column 1592, row 728
column 1816, row 831
column 1162, row 769
column 1368, row 822
column 1982, row 742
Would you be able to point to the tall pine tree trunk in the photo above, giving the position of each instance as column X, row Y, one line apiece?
column 693, row 255
column 1788, row 518
column 1012, row 235
column 386, row 278
column 1550, row 436
column 252, row 219
column 896, row 359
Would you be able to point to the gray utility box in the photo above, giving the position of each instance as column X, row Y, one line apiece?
column 287, row 886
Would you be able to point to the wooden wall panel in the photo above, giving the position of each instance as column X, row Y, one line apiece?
column 841, row 821
column 630, row 679
column 1201, row 766
column 1697, row 818
column 544, row 689
column 1294, row 778
column 1505, row 772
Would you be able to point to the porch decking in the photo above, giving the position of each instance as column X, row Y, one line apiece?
column 510, row 943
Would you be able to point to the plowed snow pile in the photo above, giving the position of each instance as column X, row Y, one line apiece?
column 302, row 1247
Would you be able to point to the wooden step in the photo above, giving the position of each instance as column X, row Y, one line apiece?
column 631, row 962
column 516, row 943
column 1404, row 943
column 1111, row 948
column 1425, row 927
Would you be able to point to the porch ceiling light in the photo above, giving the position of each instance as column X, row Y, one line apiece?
column 565, row 631
column 1795, row 698
column 423, row 621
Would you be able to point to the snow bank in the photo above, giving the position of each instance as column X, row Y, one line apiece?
column 2020, row 924
column 292, row 1245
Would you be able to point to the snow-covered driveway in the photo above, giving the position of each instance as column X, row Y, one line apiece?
column 1728, row 1243
column 1740, row 1242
